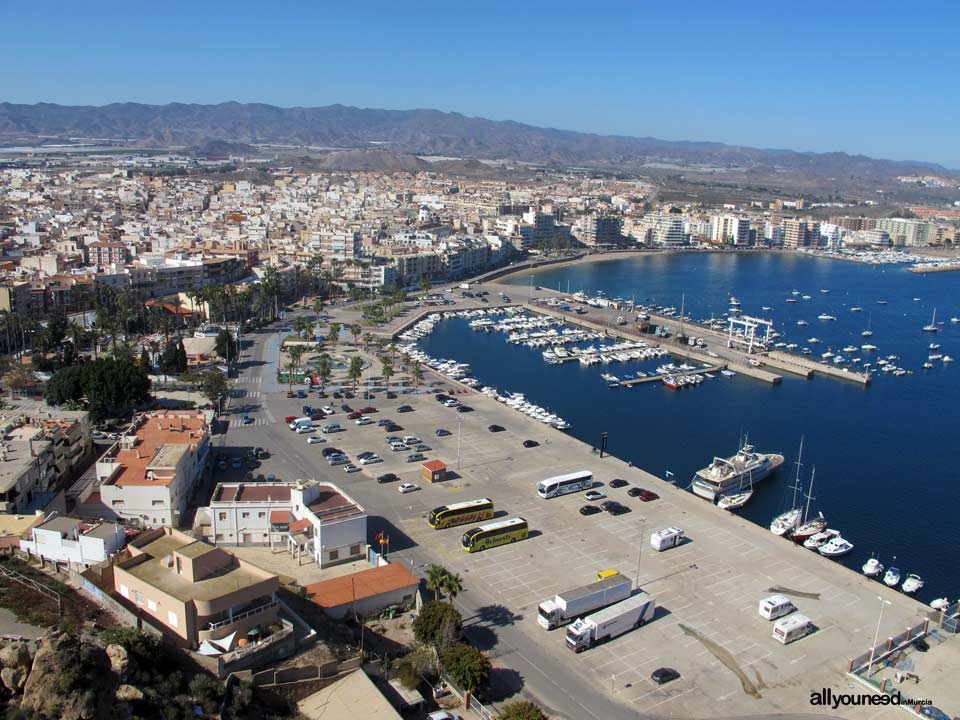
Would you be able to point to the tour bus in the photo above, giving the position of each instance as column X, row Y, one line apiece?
column 563, row 484
column 494, row 534
column 461, row 513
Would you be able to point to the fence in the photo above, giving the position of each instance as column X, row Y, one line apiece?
column 304, row 673
column 11, row 574
column 114, row 607
column 470, row 702
column 891, row 646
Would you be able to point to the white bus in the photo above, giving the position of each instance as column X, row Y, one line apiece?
column 563, row 484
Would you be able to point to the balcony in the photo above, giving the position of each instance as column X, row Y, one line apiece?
column 244, row 616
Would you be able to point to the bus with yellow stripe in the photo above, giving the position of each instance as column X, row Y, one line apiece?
column 461, row 513
column 494, row 534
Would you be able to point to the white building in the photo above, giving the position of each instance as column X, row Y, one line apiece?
column 69, row 540
column 730, row 230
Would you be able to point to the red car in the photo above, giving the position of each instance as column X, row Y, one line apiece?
column 642, row 493
column 368, row 410
column 289, row 419
column 354, row 415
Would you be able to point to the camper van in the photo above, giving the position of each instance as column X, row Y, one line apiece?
column 666, row 539
column 775, row 606
column 788, row 629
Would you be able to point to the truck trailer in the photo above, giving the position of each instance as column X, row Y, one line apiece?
column 566, row 606
column 611, row 622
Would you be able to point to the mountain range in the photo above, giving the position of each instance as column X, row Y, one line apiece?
column 421, row 132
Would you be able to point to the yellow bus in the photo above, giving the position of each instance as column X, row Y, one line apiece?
column 494, row 534
column 461, row 513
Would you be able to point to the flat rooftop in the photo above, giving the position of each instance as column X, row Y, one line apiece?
column 331, row 504
column 18, row 459
column 162, row 440
column 252, row 493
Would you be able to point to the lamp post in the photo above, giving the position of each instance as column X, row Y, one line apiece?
column 876, row 636
column 459, row 425
column 643, row 522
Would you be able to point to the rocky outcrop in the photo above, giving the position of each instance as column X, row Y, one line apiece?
column 119, row 659
column 15, row 655
column 13, row 678
column 128, row 693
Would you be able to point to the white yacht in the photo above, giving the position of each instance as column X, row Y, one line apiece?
column 824, row 316
column 891, row 578
column 872, row 567
column 821, row 538
column 835, row 548
column 725, row 476
column 785, row 522
column 912, row 584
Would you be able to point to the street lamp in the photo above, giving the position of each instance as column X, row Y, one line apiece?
column 459, row 425
column 643, row 522
column 876, row 636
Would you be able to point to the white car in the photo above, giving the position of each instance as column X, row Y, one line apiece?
column 399, row 447
column 351, row 468
column 303, row 429
column 594, row 495
column 327, row 410
column 364, row 421
column 371, row 460
column 442, row 715
column 315, row 440
column 411, row 439
column 408, row 487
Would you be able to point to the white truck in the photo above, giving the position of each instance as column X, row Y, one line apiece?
column 666, row 539
column 611, row 622
column 566, row 606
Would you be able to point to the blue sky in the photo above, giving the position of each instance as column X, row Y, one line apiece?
column 877, row 78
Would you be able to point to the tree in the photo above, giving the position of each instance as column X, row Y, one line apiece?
column 213, row 384
column 452, row 586
column 317, row 309
column 109, row 386
column 367, row 339
column 436, row 578
column 417, row 373
column 425, row 286
column 19, row 378
column 144, row 358
column 521, row 710
column 386, row 368
column 438, row 625
column 224, row 344
column 296, row 353
column 355, row 371
column 334, row 333
column 469, row 668
column 355, row 331
column 324, row 370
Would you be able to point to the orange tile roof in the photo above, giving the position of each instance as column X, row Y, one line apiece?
column 434, row 465
column 151, row 438
column 364, row 584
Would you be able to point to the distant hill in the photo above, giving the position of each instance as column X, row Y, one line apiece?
column 421, row 132
column 373, row 161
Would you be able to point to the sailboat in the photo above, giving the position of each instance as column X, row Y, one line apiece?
column 787, row 521
column 808, row 526
column 932, row 327
column 734, row 501
column 868, row 332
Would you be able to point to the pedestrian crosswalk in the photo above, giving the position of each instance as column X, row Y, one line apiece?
column 242, row 393
column 249, row 379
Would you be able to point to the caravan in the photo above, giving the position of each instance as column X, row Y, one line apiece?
column 788, row 629
column 666, row 539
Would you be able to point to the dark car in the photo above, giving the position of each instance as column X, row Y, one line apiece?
column 260, row 478
column 589, row 510
column 404, row 409
column 642, row 493
column 383, row 422
column 348, row 395
column 618, row 483
column 387, row 477
column 664, row 675
column 262, row 454
column 618, row 510
column 301, row 394
column 354, row 415
column 393, row 427
column 464, row 408
column 440, row 397
column 367, row 410
column 337, row 395
column 391, row 396
column 530, row 444
column 495, row 428
column 441, row 432
column 328, row 451
column 346, row 408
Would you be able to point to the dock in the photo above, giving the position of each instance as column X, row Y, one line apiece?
column 782, row 359
column 679, row 373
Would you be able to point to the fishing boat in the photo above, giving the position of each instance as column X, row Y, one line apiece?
column 821, row 538
column 836, row 547
column 912, row 584
column 932, row 327
column 824, row 316
column 801, row 323
column 940, row 604
column 808, row 526
column 872, row 567
column 789, row 519
column 892, row 577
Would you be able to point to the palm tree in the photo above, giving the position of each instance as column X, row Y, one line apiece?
column 318, row 308
column 291, row 369
column 367, row 339
column 437, row 578
column 296, row 354
column 425, row 286
column 355, row 331
column 324, row 370
column 77, row 333
column 334, row 333
column 386, row 369
column 452, row 586
column 355, row 371
column 417, row 373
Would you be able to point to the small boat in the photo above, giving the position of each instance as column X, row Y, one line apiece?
column 807, row 297
column 824, row 291
column 821, row 538
column 856, row 309
column 791, row 300
column 927, row 365
column 934, row 346
column 734, row 500
column 766, row 308
column 801, row 323
column 932, row 327
column 940, row 604
column 955, row 320
column 835, row 548
column 824, row 316
column 872, row 567
column 912, row 584
column 947, row 359
column 727, row 373
column 881, row 302
column 892, row 577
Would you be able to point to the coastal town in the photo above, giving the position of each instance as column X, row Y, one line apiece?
column 225, row 444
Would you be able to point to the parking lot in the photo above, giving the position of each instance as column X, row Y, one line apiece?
column 707, row 589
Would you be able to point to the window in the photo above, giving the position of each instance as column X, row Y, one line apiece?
column 116, row 503
column 354, row 549
column 179, row 566
column 138, row 597
column 261, row 514
column 221, row 516
column 125, row 591
column 244, row 514
column 151, row 605
column 218, row 537
column 157, row 503
column 334, row 554
column 172, row 618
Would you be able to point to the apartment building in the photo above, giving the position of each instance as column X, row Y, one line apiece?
column 906, row 232
column 196, row 591
column 599, row 230
column 105, row 252
column 325, row 524
column 341, row 245
column 796, row 233
column 27, row 474
column 730, row 230
column 148, row 475
column 70, row 540
column 247, row 514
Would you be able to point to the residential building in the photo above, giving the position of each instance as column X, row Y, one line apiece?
column 195, row 591
column 367, row 592
column 247, row 514
column 27, row 475
column 148, row 475
column 730, row 230
column 104, row 252
column 599, row 230
column 342, row 245
column 70, row 540
column 796, row 233
column 325, row 525
column 906, row 232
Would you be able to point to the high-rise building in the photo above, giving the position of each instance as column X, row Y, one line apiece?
column 796, row 233
column 730, row 230
column 903, row 231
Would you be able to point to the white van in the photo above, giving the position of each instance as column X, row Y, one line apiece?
column 666, row 539
column 788, row 629
column 775, row 606
column 294, row 424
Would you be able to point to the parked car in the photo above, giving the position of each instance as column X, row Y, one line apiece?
column 383, row 422
column 363, row 421
column 247, row 420
column 495, row 428
column 399, row 446
column 464, row 409
column 354, row 415
column 441, row 432
column 420, row 447
column 530, row 444
column 328, row 451
column 301, row 394
column 594, row 495
column 327, row 410
column 303, row 429
column 642, row 493
column 289, row 419
column 351, row 468
column 371, row 460
column 618, row 483
column 404, row 409
column 614, row 508
column 338, row 460
column 387, row 478
column 315, row 440
column 346, row 408
column 408, row 487
column 261, row 454
column 589, row 510
column 236, row 463
column 368, row 410
column 664, row 675
column 411, row 439
column 416, row 457
column 393, row 427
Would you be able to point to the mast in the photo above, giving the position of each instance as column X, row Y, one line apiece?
column 806, row 511
column 796, row 482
